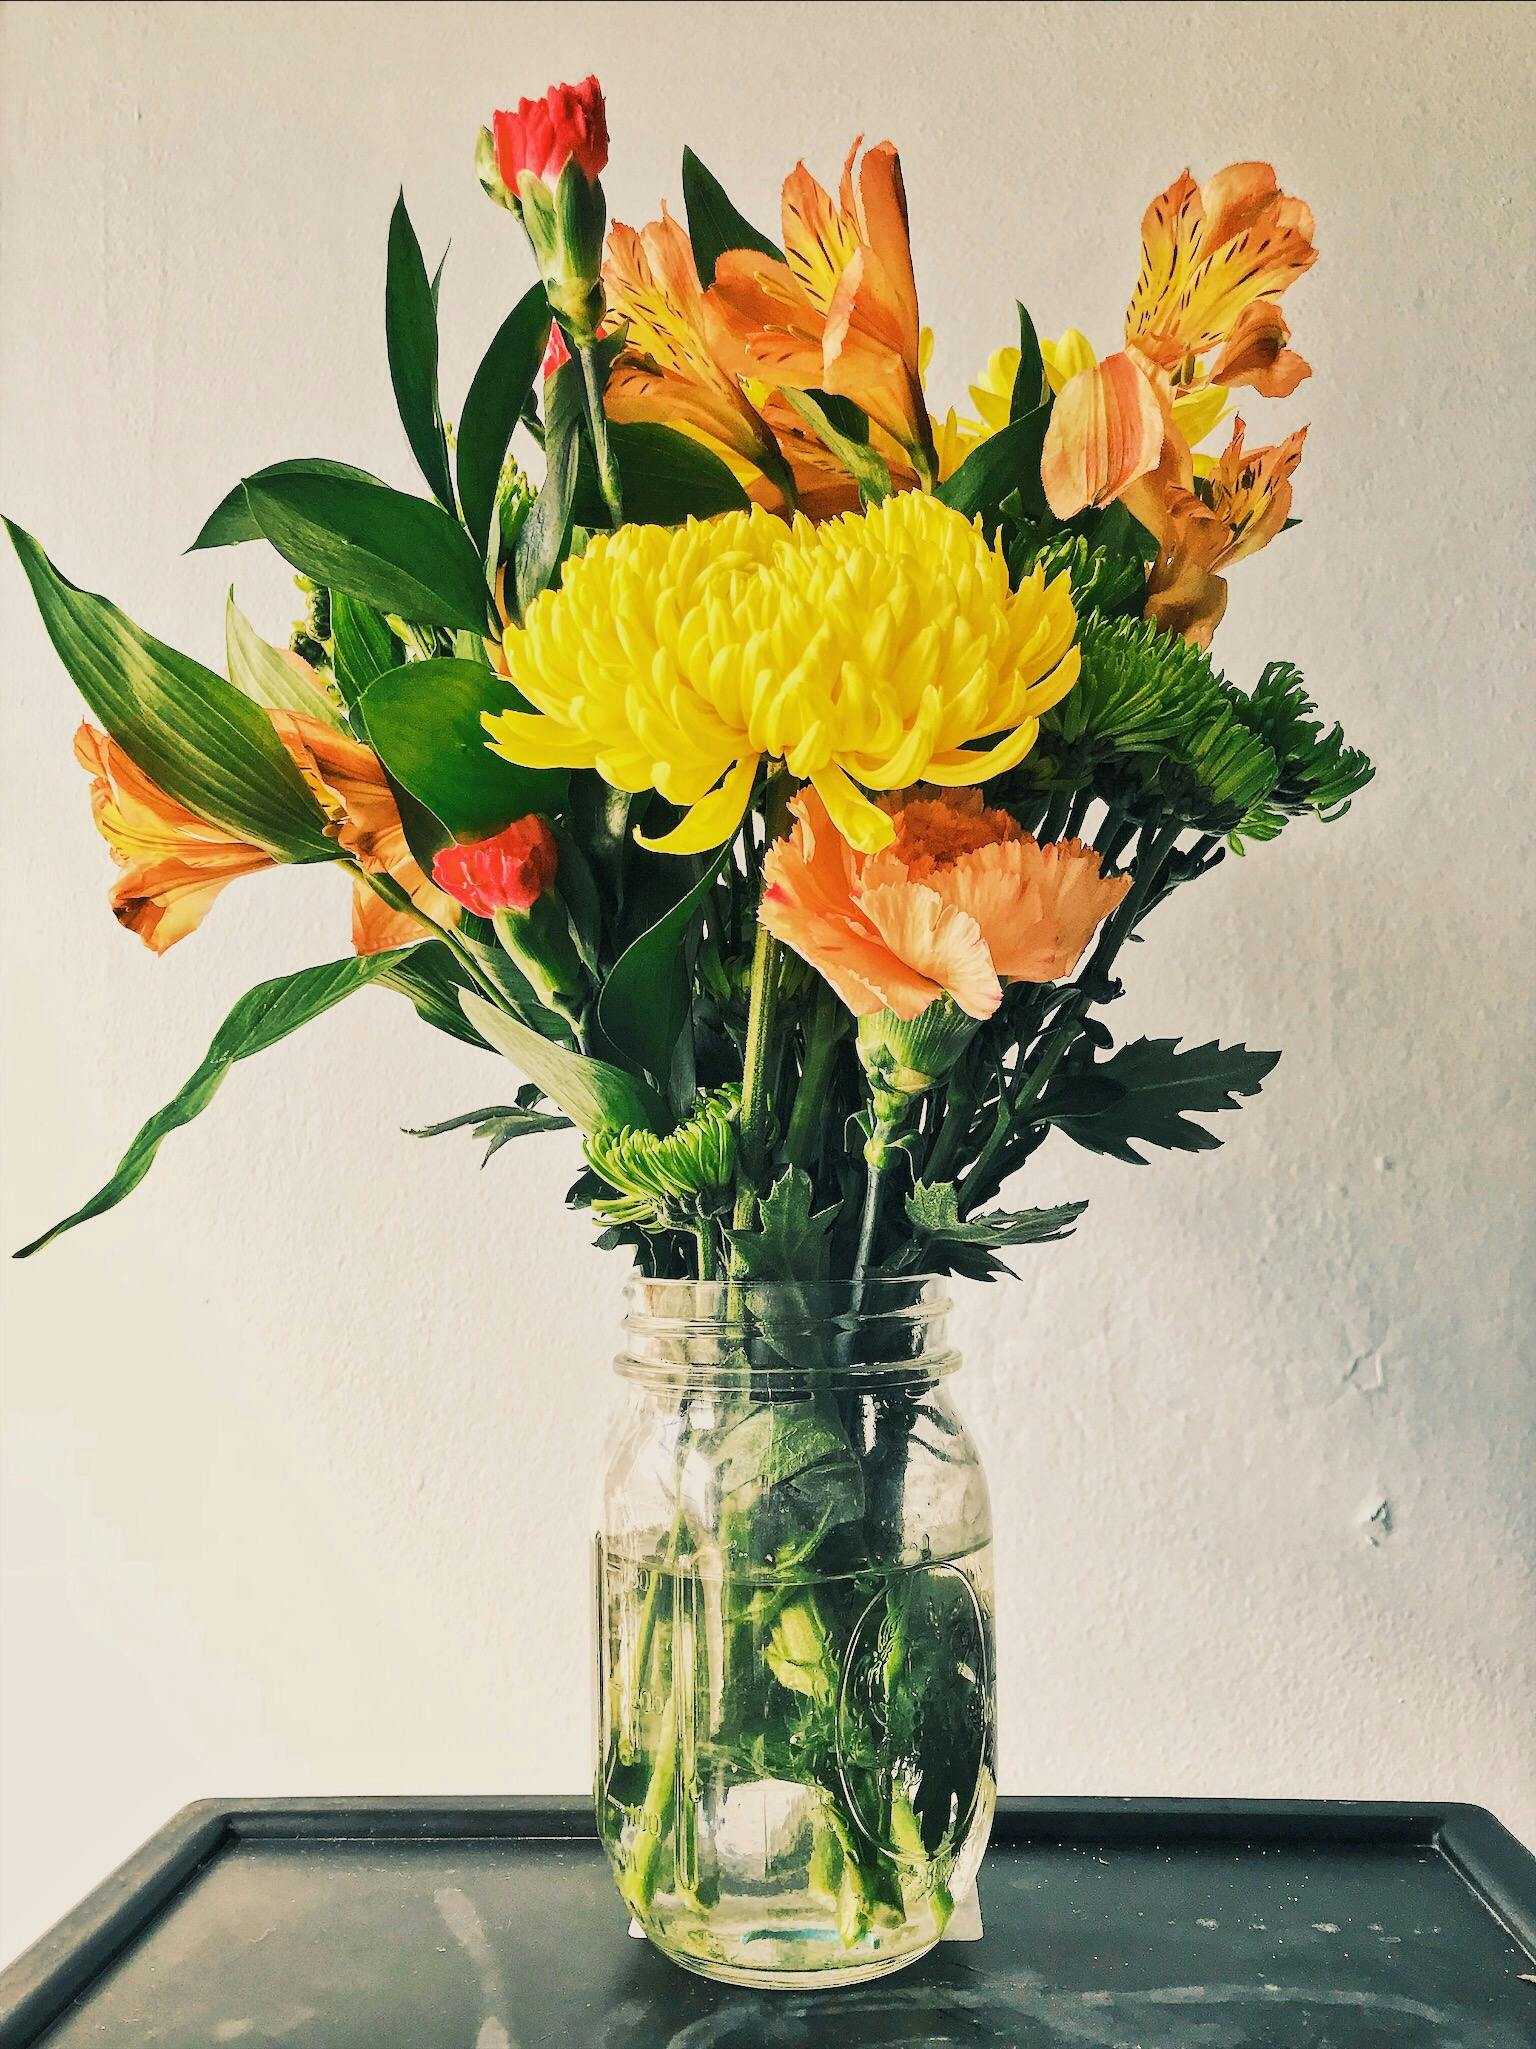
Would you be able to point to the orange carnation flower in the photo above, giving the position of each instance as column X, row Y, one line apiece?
column 962, row 901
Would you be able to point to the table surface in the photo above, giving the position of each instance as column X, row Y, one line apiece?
column 494, row 1925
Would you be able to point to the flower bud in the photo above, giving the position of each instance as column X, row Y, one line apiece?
column 550, row 155
column 509, row 871
column 905, row 1057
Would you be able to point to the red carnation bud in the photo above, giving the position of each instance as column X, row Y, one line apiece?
column 508, row 872
column 543, row 136
column 557, row 352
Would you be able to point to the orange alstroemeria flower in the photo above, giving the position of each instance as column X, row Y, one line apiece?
column 962, row 901
column 1214, row 261
column 668, row 370
column 1250, row 501
column 840, row 312
column 174, row 863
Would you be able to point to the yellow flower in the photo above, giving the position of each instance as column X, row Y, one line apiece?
column 866, row 653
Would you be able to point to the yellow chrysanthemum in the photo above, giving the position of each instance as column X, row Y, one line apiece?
column 872, row 650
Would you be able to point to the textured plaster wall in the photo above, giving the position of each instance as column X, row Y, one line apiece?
column 299, row 1443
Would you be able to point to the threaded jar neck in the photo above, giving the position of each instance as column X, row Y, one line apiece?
column 781, row 1337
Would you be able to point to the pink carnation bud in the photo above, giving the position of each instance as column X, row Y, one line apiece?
column 508, row 872
column 543, row 135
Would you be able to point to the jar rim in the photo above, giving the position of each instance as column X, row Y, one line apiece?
column 785, row 1335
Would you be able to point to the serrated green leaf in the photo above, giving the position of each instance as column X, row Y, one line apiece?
column 792, row 1242
column 500, row 1123
column 645, row 1000
column 714, row 224
column 424, row 722
column 399, row 554
column 231, row 520
column 189, row 730
column 270, row 676
column 965, row 1245
column 592, row 1093
column 262, row 1017
column 410, row 332
column 1160, row 1086
column 500, row 389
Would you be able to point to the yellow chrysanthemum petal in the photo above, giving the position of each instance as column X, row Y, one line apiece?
column 856, row 651
column 713, row 819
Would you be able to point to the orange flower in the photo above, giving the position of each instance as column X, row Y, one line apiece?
column 1250, row 501
column 668, row 371
column 174, row 863
column 1214, row 261
column 840, row 313
column 960, row 902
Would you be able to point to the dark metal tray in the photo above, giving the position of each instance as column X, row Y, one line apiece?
column 492, row 1924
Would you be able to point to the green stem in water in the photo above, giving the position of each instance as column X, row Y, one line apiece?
column 869, row 1222
column 602, row 448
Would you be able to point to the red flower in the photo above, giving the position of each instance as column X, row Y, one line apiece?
column 557, row 352
column 509, row 872
column 543, row 135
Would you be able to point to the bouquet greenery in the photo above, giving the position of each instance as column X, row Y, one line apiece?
column 759, row 783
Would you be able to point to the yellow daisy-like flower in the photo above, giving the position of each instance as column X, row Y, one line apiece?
column 865, row 653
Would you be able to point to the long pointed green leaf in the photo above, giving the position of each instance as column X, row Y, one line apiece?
column 268, row 675
column 263, row 1015
column 1006, row 461
column 410, row 330
column 494, row 405
column 645, row 998
column 431, row 980
column 362, row 646
column 1030, row 388
column 592, row 1093
column 546, row 532
column 398, row 554
column 231, row 520
column 714, row 225
column 190, row 732
column 666, row 476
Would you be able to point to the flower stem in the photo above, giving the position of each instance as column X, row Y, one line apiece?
column 597, row 420
column 868, row 1224
column 828, row 1024
column 762, row 1008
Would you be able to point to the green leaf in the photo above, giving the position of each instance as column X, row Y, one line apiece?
column 362, row 646
column 592, row 1094
column 645, row 1001
column 786, row 1475
column 953, row 1244
column 666, row 478
column 1006, row 462
column 264, row 1015
column 500, row 390
column 431, row 980
column 499, row 1124
column 1031, row 388
column 423, row 721
column 866, row 468
column 792, row 1242
column 410, row 332
column 269, row 676
column 232, row 521
column 189, row 731
column 398, row 554
column 1160, row 1086
column 714, row 225
column 546, row 532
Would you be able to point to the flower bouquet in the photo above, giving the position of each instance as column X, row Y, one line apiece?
column 774, row 785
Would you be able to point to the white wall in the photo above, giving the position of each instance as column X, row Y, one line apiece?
column 299, row 1442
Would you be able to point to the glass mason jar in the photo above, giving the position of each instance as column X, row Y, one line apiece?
column 796, row 1757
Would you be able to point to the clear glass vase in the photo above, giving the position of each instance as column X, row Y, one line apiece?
column 796, row 1757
